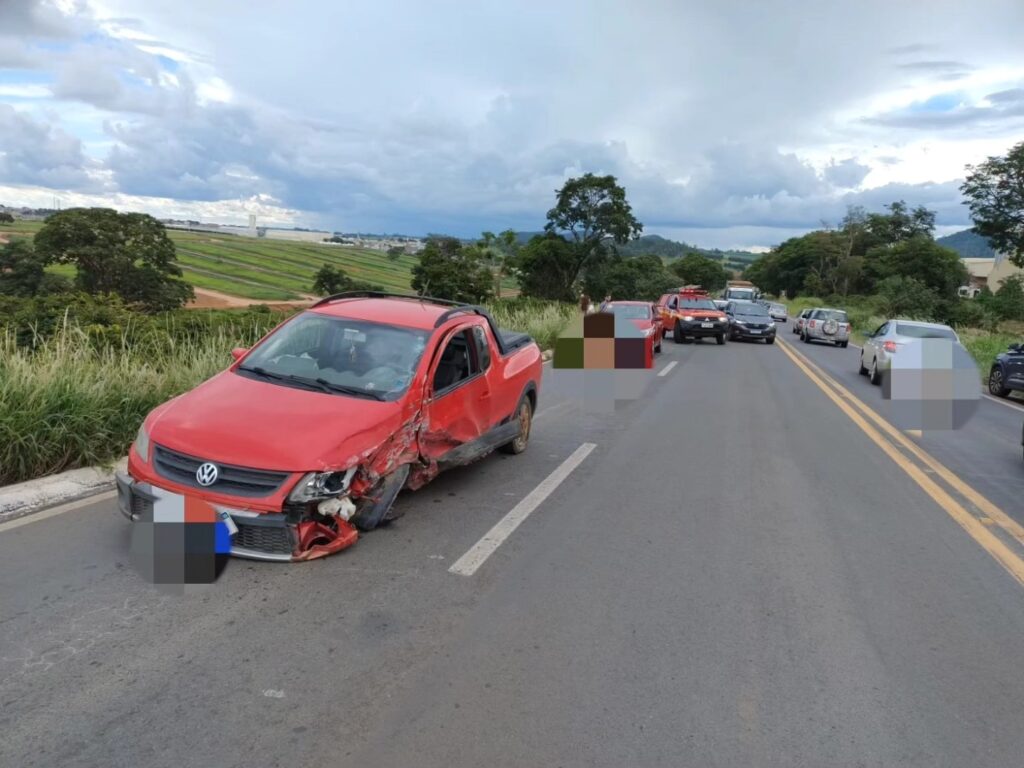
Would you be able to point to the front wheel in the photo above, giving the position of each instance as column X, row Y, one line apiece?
column 524, row 415
column 995, row 383
column 770, row 340
column 720, row 339
column 677, row 334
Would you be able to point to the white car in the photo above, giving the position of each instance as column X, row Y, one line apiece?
column 778, row 312
column 880, row 346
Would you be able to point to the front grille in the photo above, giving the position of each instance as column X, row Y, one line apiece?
column 757, row 325
column 271, row 539
column 237, row 481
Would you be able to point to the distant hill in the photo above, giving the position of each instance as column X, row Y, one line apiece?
column 657, row 245
column 969, row 244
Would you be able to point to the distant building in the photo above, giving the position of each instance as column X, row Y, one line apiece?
column 979, row 270
column 1002, row 269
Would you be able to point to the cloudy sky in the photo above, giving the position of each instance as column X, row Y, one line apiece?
column 731, row 123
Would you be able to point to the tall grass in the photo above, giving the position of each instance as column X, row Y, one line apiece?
column 76, row 397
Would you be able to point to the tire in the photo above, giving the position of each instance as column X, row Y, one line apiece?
column 720, row 339
column 805, row 338
column 860, row 368
column 658, row 347
column 995, row 382
column 524, row 412
column 372, row 516
column 664, row 332
column 873, row 374
column 844, row 344
column 677, row 334
column 770, row 340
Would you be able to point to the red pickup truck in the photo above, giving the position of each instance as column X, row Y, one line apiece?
column 310, row 434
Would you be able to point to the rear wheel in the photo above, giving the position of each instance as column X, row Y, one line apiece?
column 860, row 368
column 844, row 344
column 874, row 375
column 995, row 383
column 524, row 415
column 805, row 338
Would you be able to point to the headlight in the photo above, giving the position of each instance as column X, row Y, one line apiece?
column 771, row 324
column 142, row 443
column 321, row 485
column 688, row 318
column 740, row 322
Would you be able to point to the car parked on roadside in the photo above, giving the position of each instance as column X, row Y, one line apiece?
column 885, row 341
column 692, row 315
column 826, row 324
column 1007, row 371
column 645, row 317
column 749, row 320
column 798, row 321
column 310, row 435
column 778, row 312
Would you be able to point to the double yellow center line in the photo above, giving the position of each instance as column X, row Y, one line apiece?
column 995, row 531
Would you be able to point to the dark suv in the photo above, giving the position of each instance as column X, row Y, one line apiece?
column 1007, row 373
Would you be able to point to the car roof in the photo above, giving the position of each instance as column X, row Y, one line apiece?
column 630, row 303
column 409, row 312
column 827, row 309
column 918, row 323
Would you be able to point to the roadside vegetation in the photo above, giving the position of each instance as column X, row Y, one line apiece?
column 78, row 376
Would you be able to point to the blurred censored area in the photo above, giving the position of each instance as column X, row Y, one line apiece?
column 932, row 385
column 186, row 543
column 604, row 360
column 603, row 340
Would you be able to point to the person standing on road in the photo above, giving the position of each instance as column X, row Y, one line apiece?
column 605, row 303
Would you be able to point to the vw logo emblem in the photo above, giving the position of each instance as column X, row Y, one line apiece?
column 207, row 474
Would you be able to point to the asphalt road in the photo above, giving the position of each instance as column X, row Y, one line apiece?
column 736, row 575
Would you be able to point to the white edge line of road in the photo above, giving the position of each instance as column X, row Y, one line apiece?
column 664, row 371
column 59, row 510
column 477, row 555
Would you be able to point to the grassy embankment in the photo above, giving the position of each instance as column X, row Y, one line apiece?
column 79, row 397
column 982, row 344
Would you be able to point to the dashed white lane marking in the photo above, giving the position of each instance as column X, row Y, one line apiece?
column 551, row 409
column 664, row 371
column 477, row 555
column 1015, row 404
column 72, row 505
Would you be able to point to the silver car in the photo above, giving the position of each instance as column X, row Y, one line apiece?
column 798, row 321
column 826, row 324
column 880, row 346
column 778, row 312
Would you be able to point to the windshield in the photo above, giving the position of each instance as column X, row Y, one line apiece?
column 924, row 332
column 750, row 309
column 698, row 304
column 832, row 314
column 369, row 358
column 631, row 311
column 740, row 293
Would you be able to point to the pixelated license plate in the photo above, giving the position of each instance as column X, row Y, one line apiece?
column 707, row 325
column 171, row 507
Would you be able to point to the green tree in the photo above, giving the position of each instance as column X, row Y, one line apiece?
column 395, row 252
column 995, row 195
column 6, row 218
column 1008, row 301
column 694, row 269
column 637, row 278
column 23, row 272
column 329, row 280
column 899, row 295
column 500, row 252
column 447, row 269
column 920, row 257
column 128, row 254
column 899, row 224
column 590, row 212
column 547, row 268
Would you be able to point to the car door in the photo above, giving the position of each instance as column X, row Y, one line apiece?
column 458, row 402
column 871, row 342
column 1015, row 368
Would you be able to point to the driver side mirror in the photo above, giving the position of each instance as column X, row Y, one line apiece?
column 239, row 352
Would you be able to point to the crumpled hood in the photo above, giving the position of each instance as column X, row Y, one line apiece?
column 236, row 420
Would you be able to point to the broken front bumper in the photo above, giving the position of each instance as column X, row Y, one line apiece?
column 261, row 535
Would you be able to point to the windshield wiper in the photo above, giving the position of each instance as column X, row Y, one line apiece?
column 262, row 372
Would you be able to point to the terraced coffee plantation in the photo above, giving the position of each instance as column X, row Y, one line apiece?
column 276, row 270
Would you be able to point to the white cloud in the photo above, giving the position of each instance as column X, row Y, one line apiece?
column 730, row 118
